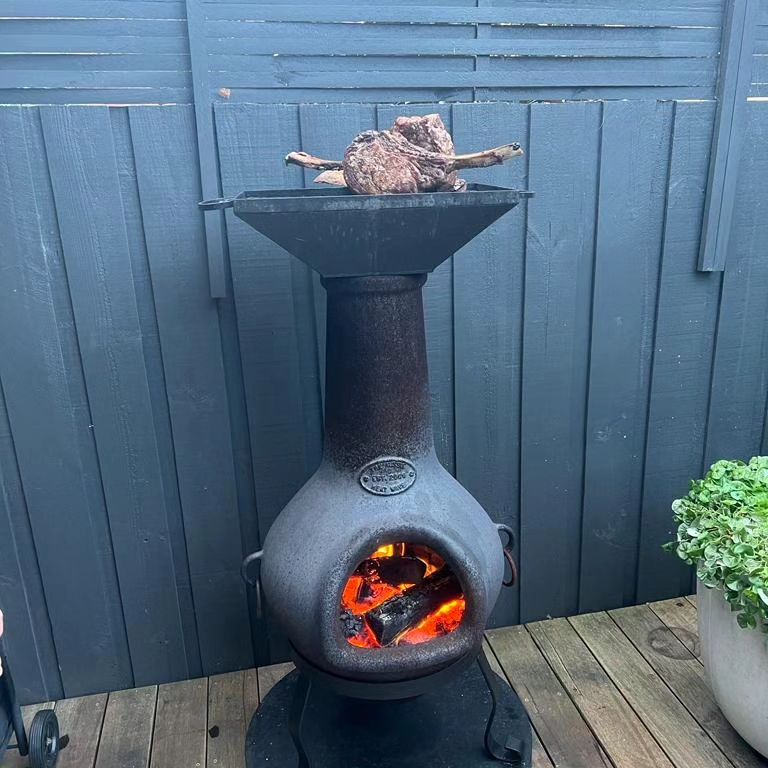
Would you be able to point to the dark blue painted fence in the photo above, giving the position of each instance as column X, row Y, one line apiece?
column 138, row 51
column 583, row 368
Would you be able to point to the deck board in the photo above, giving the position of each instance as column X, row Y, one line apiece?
column 620, row 731
column 270, row 676
column 126, row 735
column 180, row 737
column 568, row 739
column 540, row 756
column 623, row 689
column 83, row 716
column 681, row 737
column 681, row 619
column 226, row 720
column 684, row 675
column 250, row 693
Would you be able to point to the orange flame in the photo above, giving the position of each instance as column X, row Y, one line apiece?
column 388, row 550
column 444, row 620
column 363, row 593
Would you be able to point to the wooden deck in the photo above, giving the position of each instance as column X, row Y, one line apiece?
column 623, row 689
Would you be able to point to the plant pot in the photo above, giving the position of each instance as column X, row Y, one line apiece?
column 736, row 661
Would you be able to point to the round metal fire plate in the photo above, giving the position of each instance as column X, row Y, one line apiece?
column 388, row 476
column 444, row 728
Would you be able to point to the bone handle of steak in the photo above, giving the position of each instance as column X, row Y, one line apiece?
column 306, row 160
column 486, row 158
column 399, row 614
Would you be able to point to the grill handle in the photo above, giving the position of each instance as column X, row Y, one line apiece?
column 217, row 204
column 253, row 581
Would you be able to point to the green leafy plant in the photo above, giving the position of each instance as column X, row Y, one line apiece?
column 723, row 531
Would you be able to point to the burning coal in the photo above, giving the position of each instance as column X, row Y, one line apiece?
column 403, row 594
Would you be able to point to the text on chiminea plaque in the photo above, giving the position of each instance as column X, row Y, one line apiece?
column 387, row 477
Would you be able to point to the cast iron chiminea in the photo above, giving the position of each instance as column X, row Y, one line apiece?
column 382, row 570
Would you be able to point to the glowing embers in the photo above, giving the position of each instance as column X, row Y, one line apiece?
column 403, row 594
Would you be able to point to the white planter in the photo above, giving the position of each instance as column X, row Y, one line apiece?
column 736, row 661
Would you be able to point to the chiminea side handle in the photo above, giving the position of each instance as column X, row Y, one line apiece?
column 507, row 548
column 252, row 558
column 217, row 204
column 251, row 581
column 504, row 528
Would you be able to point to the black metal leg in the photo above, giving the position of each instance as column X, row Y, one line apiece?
column 9, row 704
column 296, row 717
column 514, row 751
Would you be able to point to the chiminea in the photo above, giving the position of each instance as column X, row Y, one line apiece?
column 382, row 570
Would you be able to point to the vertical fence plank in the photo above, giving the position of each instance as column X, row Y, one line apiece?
column 488, row 300
column 206, row 145
column 253, row 140
column 241, row 450
column 188, row 322
column 307, row 304
column 633, row 183
column 145, row 304
column 652, row 412
column 28, row 641
column 560, row 250
column 252, row 144
column 740, row 376
column 682, row 364
column 50, row 420
column 84, row 176
column 734, row 79
column 438, row 315
column 320, row 135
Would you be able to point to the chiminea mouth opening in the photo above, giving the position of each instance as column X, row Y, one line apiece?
column 403, row 594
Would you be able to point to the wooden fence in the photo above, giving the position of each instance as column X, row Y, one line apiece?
column 138, row 51
column 583, row 369
column 590, row 353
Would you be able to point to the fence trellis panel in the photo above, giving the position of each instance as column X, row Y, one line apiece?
column 133, row 51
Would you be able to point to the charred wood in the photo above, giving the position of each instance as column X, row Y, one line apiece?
column 393, row 570
column 399, row 614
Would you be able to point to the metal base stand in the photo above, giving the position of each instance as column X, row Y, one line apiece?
column 476, row 721
column 515, row 751
column 301, row 693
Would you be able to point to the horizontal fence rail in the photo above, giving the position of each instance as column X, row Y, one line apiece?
column 583, row 369
column 94, row 51
column 147, row 51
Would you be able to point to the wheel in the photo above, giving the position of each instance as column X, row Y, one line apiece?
column 44, row 740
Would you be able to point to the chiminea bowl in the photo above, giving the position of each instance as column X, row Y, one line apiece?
column 380, row 482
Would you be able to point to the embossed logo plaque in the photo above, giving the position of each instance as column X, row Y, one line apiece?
column 388, row 476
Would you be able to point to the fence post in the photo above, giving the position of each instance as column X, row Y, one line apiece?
column 733, row 83
column 206, row 146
